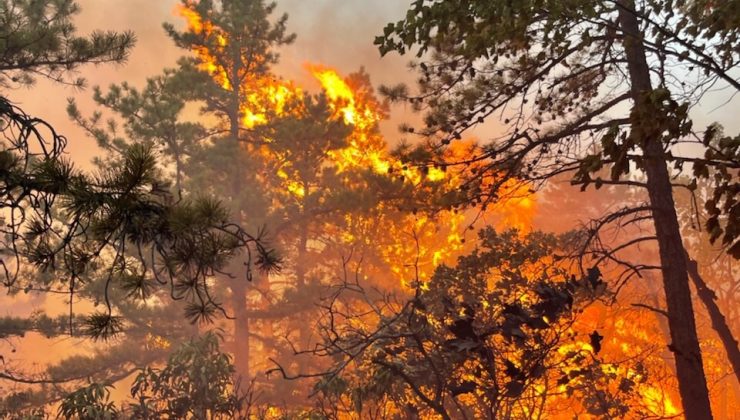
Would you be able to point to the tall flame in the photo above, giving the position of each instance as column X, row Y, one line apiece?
column 262, row 96
column 206, row 58
column 367, row 149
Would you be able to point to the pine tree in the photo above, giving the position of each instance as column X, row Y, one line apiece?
column 39, row 40
column 292, row 186
column 110, row 236
column 235, row 46
column 150, row 116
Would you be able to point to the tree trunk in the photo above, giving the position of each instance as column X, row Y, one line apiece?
column 178, row 172
column 692, row 383
column 301, row 260
column 241, row 328
column 239, row 286
column 719, row 323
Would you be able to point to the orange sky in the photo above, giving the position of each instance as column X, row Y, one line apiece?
column 337, row 33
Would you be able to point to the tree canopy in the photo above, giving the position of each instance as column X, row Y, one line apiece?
column 39, row 39
column 559, row 75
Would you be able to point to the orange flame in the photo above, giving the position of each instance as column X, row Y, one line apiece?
column 260, row 97
column 367, row 149
column 429, row 240
column 208, row 62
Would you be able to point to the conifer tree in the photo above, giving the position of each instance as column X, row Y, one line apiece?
column 39, row 40
column 110, row 236
column 235, row 47
column 150, row 116
column 292, row 186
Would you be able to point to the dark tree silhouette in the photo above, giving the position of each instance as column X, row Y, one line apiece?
column 556, row 73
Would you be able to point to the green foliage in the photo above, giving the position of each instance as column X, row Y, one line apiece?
column 90, row 402
column 249, row 51
column 196, row 383
column 103, row 326
column 478, row 26
column 303, row 138
column 103, row 215
column 150, row 116
column 723, row 206
column 205, row 158
column 251, row 19
column 30, row 414
column 37, row 38
column 11, row 326
column 559, row 74
column 115, row 237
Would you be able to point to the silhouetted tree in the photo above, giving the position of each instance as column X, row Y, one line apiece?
column 235, row 47
column 544, row 67
column 115, row 234
column 488, row 338
column 195, row 383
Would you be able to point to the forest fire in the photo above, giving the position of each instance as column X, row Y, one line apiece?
column 207, row 62
column 248, row 248
column 366, row 148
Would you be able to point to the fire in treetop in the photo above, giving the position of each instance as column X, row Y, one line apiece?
column 428, row 239
column 441, row 236
column 415, row 272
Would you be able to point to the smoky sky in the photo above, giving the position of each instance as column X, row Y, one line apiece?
column 336, row 33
